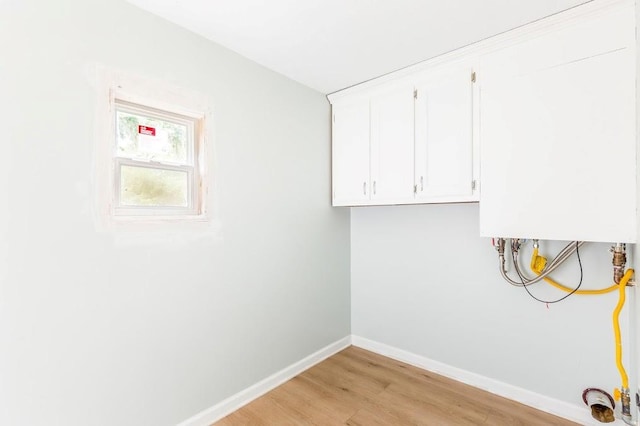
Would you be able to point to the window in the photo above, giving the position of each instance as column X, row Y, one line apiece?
column 156, row 163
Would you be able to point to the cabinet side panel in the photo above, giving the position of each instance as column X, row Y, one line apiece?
column 558, row 152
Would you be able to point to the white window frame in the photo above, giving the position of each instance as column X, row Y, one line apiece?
column 203, row 220
column 191, row 167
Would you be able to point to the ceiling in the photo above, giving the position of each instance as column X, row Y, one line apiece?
column 332, row 44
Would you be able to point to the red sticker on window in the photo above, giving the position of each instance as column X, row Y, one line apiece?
column 146, row 130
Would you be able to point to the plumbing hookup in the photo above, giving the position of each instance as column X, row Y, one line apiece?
column 600, row 402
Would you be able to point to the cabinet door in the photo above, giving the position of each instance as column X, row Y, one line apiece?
column 392, row 146
column 444, row 136
column 350, row 153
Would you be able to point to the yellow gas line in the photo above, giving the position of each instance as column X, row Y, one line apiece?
column 537, row 265
column 616, row 326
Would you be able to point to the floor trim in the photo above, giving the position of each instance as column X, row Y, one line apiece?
column 578, row 414
column 242, row 398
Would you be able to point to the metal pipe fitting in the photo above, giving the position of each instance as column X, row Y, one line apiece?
column 625, row 402
column 619, row 261
column 524, row 281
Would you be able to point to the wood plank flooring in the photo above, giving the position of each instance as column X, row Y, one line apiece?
column 357, row 387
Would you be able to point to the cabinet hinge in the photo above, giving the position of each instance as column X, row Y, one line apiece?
column 473, row 185
column 415, row 189
column 415, row 94
column 473, row 77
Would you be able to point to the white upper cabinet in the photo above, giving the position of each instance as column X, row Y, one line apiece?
column 392, row 145
column 444, row 136
column 558, row 132
column 406, row 141
column 545, row 138
column 350, row 153
column 373, row 148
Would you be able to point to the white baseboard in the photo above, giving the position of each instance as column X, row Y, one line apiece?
column 578, row 414
column 234, row 402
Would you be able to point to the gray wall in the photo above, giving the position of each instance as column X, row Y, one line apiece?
column 423, row 281
column 96, row 332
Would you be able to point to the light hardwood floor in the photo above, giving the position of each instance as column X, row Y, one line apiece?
column 357, row 387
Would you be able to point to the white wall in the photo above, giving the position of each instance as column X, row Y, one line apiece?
column 95, row 332
column 423, row 281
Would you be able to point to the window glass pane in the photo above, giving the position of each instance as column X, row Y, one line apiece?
column 143, row 186
column 149, row 138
